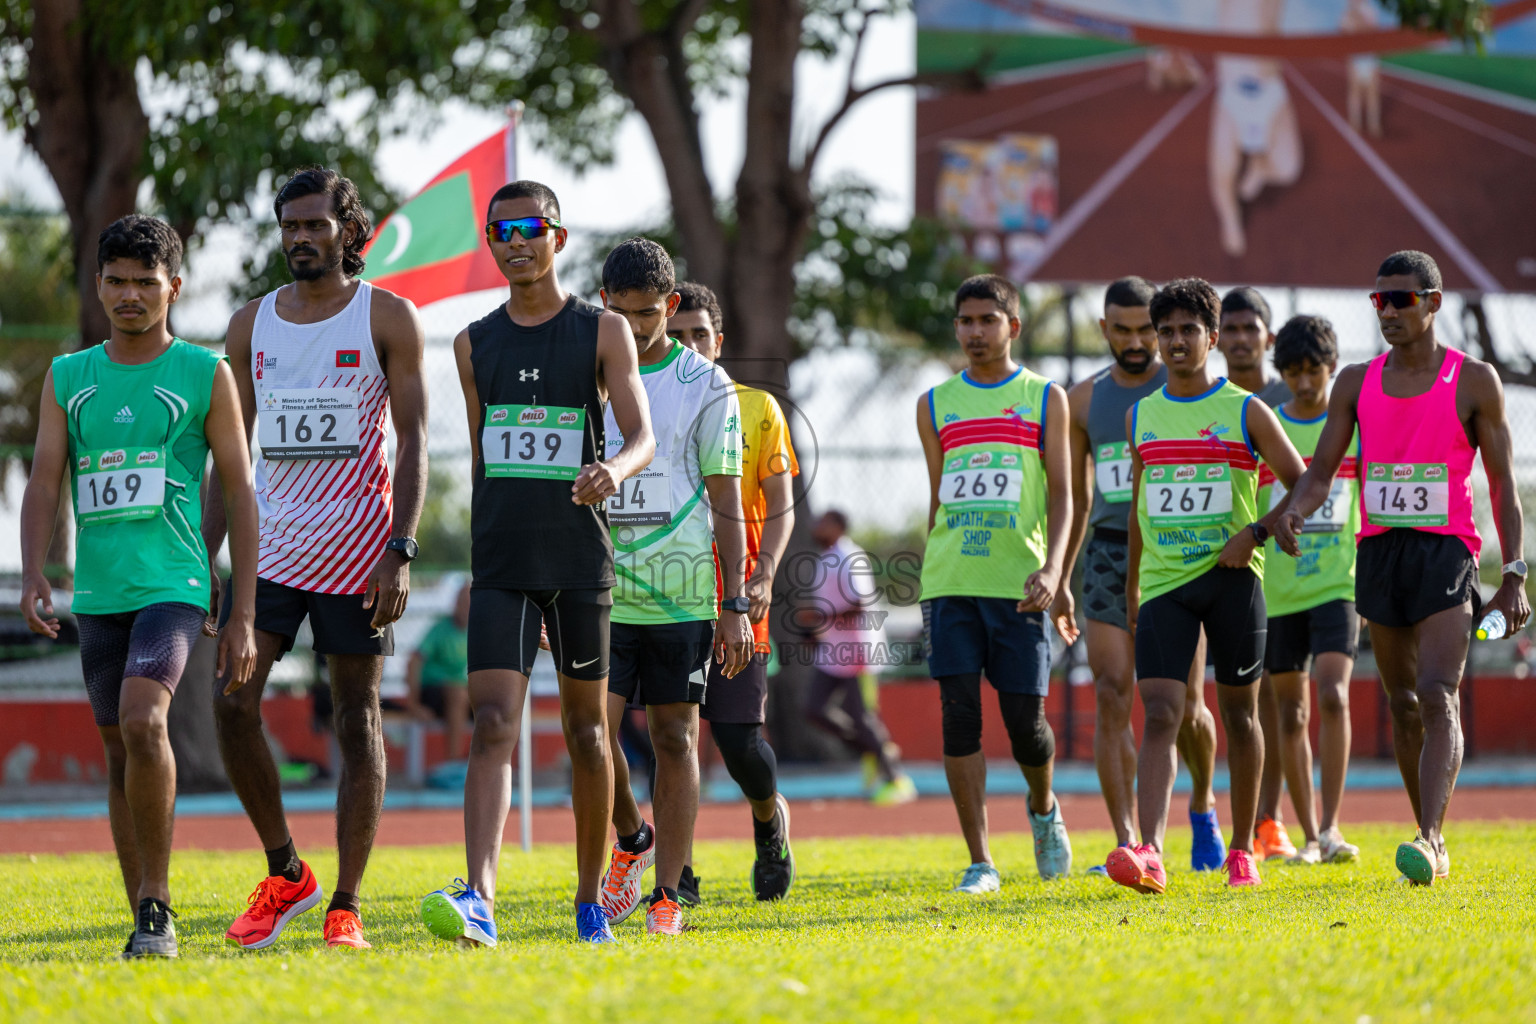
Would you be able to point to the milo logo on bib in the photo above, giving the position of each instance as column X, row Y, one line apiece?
column 146, row 458
column 112, row 459
column 1184, row 473
column 498, row 415
column 83, row 462
column 531, row 416
column 981, row 459
column 568, row 418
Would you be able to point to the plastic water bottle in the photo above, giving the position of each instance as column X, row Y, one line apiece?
column 1493, row 626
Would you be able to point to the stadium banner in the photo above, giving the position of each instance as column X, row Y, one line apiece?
column 1284, row 142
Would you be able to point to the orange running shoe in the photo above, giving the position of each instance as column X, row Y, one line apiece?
column 1137, row 867
column 1240, row 869
column 343, row 928
column 1270, row 841
column 664, row 917
column 275, row 902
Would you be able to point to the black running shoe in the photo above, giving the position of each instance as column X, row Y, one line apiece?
column 688, row 887
column 774, row 870
column 155, row 934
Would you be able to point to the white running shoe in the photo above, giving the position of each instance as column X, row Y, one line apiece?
column 1053, row 850
column 1310, row 853
column 978, row 879
column 1335, row 850
column 621, row 890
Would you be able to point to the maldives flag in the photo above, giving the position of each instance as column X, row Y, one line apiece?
column 433, row 247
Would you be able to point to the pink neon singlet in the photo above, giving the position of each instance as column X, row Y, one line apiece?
column 1415, row 459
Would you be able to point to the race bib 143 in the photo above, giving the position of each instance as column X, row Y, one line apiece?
column 1407, row 494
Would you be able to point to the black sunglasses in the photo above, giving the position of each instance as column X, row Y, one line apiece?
column 1399, row 299
column 529, row 227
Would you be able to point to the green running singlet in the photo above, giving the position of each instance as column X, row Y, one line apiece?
column 1199, row 483
column 136, row 457
column 1325, row 571
column 989, row 534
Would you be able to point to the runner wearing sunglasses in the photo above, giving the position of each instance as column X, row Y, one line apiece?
column 1422, row 409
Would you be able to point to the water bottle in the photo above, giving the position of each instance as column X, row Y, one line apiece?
column 1493, row 626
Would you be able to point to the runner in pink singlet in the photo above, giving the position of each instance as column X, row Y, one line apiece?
column 1422, row 409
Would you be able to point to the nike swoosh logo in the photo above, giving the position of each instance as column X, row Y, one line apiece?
column 1449, row 374
column 1452, row 590
column 583, row 664
column 1250, row 668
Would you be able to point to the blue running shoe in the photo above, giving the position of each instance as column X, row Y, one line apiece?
column 592, row 923
column 1209, row 851
column 458, row 912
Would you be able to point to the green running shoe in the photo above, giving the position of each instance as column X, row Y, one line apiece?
column 1417, row 860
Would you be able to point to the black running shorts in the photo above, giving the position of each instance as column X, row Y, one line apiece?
column 504, row 629
column 1295, row 639
column 1229, row 603
column 741, row 700
column 151, row 643
column 662, row 663
column 340, row 623
column 1404, row 576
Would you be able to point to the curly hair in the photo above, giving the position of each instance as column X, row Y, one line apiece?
column 1410, row 261
column 345, row 202
column 149, row 240
column 1191, row 294
column 638, row 265
column 697, row 296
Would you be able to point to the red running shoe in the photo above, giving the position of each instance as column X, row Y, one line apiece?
column 342, row 928
column 1137, row 867
column 275, row 902
column 1240, row 869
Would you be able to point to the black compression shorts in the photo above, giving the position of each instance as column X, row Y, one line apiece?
column 1229, row 603
column 1295, row 639
column 504, row 629
column 151, row 643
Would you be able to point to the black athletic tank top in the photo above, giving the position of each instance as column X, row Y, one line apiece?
column 526, row 534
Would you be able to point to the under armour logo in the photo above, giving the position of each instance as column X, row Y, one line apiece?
column 532, row 374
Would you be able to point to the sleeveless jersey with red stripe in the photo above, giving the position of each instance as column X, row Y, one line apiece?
column 323, row 521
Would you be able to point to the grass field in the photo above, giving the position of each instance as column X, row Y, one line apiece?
column 869, row 932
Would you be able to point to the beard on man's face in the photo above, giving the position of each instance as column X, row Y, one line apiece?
column 1134, row 360
column 317, row 267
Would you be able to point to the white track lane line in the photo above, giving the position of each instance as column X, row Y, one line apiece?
column 1041, row 105
column 1466, row 121
column 1468, row 263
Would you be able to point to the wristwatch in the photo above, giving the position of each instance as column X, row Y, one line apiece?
column 739, row 605
column 1260, row 532
column 406, row 547
column 1517, row 568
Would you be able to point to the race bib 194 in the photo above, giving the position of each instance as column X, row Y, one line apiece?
column 1112, row 471
column 983, row 481
column 1179, row 496
column 1407, row 494
column 645, row 499
column 308, row 423
column 539, row 441
column 116, row 484
column 1330, row 517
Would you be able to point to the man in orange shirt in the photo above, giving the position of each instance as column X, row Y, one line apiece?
column 734, row 707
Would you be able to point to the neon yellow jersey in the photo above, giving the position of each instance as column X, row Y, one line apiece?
column 1199, row 483
column 989, row 534
column 1325, row 571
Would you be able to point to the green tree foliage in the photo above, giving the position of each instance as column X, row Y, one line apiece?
column 37, row 319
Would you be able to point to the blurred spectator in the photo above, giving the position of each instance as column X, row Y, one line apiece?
column 437, row 676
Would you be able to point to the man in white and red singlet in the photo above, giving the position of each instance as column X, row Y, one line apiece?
column 1422, row 409
column 320, row 364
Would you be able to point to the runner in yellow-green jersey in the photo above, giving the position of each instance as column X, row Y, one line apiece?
column 1197, row 560
column 1000, row 509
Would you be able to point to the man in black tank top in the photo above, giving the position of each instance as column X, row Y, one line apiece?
column 1097, row 433
column 536, row 373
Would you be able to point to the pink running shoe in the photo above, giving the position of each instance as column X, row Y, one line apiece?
column 1240, row 869
column 1137, row 867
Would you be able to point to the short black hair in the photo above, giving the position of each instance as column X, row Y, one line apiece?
column 1410, row 261
column 149, row 240
column 524, row 189
column 346, row 203
column 1129, row 292
column 1191, row 294
column 693, row 295
column 1306, row 339
column 837, row 516
column 1239, row 299
column 989, row 286
column 639, row 265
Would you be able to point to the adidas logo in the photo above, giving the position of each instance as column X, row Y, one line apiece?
column 123, row 415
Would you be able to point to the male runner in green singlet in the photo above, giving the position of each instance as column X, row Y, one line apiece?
column 132, row 422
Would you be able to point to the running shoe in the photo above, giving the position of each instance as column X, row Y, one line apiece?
column 459, row 912
column 344, row 929
column 688, row 887
column 1241, row 870
column 1311, row 853
column 773, row 872
column 621, row 891
column 592, row 924
column 1270, row 841
column 153, row 934
column 1053, row 850
column 275, row 902
column 1209, row 849
column 663, row 916
column 900, row 790
column 1334, row 849
column 980, row 878
column 1138, row 867
column 1419, row 862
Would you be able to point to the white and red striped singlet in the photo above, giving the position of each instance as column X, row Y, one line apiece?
column 323, row 521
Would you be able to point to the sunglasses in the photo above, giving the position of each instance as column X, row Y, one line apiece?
column 529, row 227
column 1399, row 299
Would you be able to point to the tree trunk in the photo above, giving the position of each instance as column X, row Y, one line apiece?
column 90, row 132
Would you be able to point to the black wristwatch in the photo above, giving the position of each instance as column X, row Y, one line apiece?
column 406, row 547
column 1260, row 532
column 739, row 605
